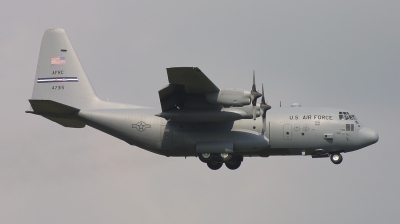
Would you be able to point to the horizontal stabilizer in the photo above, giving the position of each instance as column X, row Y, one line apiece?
column 50, row 107
column 57, row 112
column 67, row 122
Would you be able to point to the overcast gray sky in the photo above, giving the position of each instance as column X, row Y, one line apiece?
column 343, row 54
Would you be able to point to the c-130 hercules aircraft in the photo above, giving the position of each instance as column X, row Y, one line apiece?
column 219, row 126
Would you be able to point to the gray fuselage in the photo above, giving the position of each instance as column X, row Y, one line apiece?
column 289, row 131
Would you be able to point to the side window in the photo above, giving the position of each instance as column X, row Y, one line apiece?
column 346, row 116
column 340, row 115
column 349, row 127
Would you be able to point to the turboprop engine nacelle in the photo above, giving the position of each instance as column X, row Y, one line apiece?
column 230, row 97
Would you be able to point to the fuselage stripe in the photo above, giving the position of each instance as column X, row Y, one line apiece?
column 57, row 79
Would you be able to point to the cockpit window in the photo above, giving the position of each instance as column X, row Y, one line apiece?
column 347, row 116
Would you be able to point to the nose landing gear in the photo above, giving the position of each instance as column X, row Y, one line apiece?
column 336, row 158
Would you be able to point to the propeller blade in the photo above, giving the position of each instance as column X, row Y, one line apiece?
column 264, row 127
column 263, row 110
column 253, row 88
column 262, row 90
column 254, row 96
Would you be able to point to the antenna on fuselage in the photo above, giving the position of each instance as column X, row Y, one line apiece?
column 280, row 103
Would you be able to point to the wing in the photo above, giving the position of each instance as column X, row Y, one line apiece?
column 192, row 79
column 191, row 97
column 187, row 89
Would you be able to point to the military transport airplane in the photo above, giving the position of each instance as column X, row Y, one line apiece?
column 219, row 126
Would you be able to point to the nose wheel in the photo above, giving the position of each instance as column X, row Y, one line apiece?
column 336, row 158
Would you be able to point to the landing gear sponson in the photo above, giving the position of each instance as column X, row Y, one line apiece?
column 216, row 160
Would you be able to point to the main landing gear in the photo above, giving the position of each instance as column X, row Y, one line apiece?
column 216, row 160
column 336, row 158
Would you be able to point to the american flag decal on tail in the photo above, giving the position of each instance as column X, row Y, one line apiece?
column 58, row 61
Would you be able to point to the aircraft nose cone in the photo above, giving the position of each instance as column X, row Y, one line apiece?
column 368, row 136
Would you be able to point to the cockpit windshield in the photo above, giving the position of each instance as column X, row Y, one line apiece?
column 347, row 116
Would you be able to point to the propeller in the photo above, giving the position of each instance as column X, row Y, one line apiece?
column 254, row 95
column 263, row 110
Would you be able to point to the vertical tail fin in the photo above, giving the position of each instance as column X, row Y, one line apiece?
column 60, row 76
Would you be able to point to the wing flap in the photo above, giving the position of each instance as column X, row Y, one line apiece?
column 170, row 96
